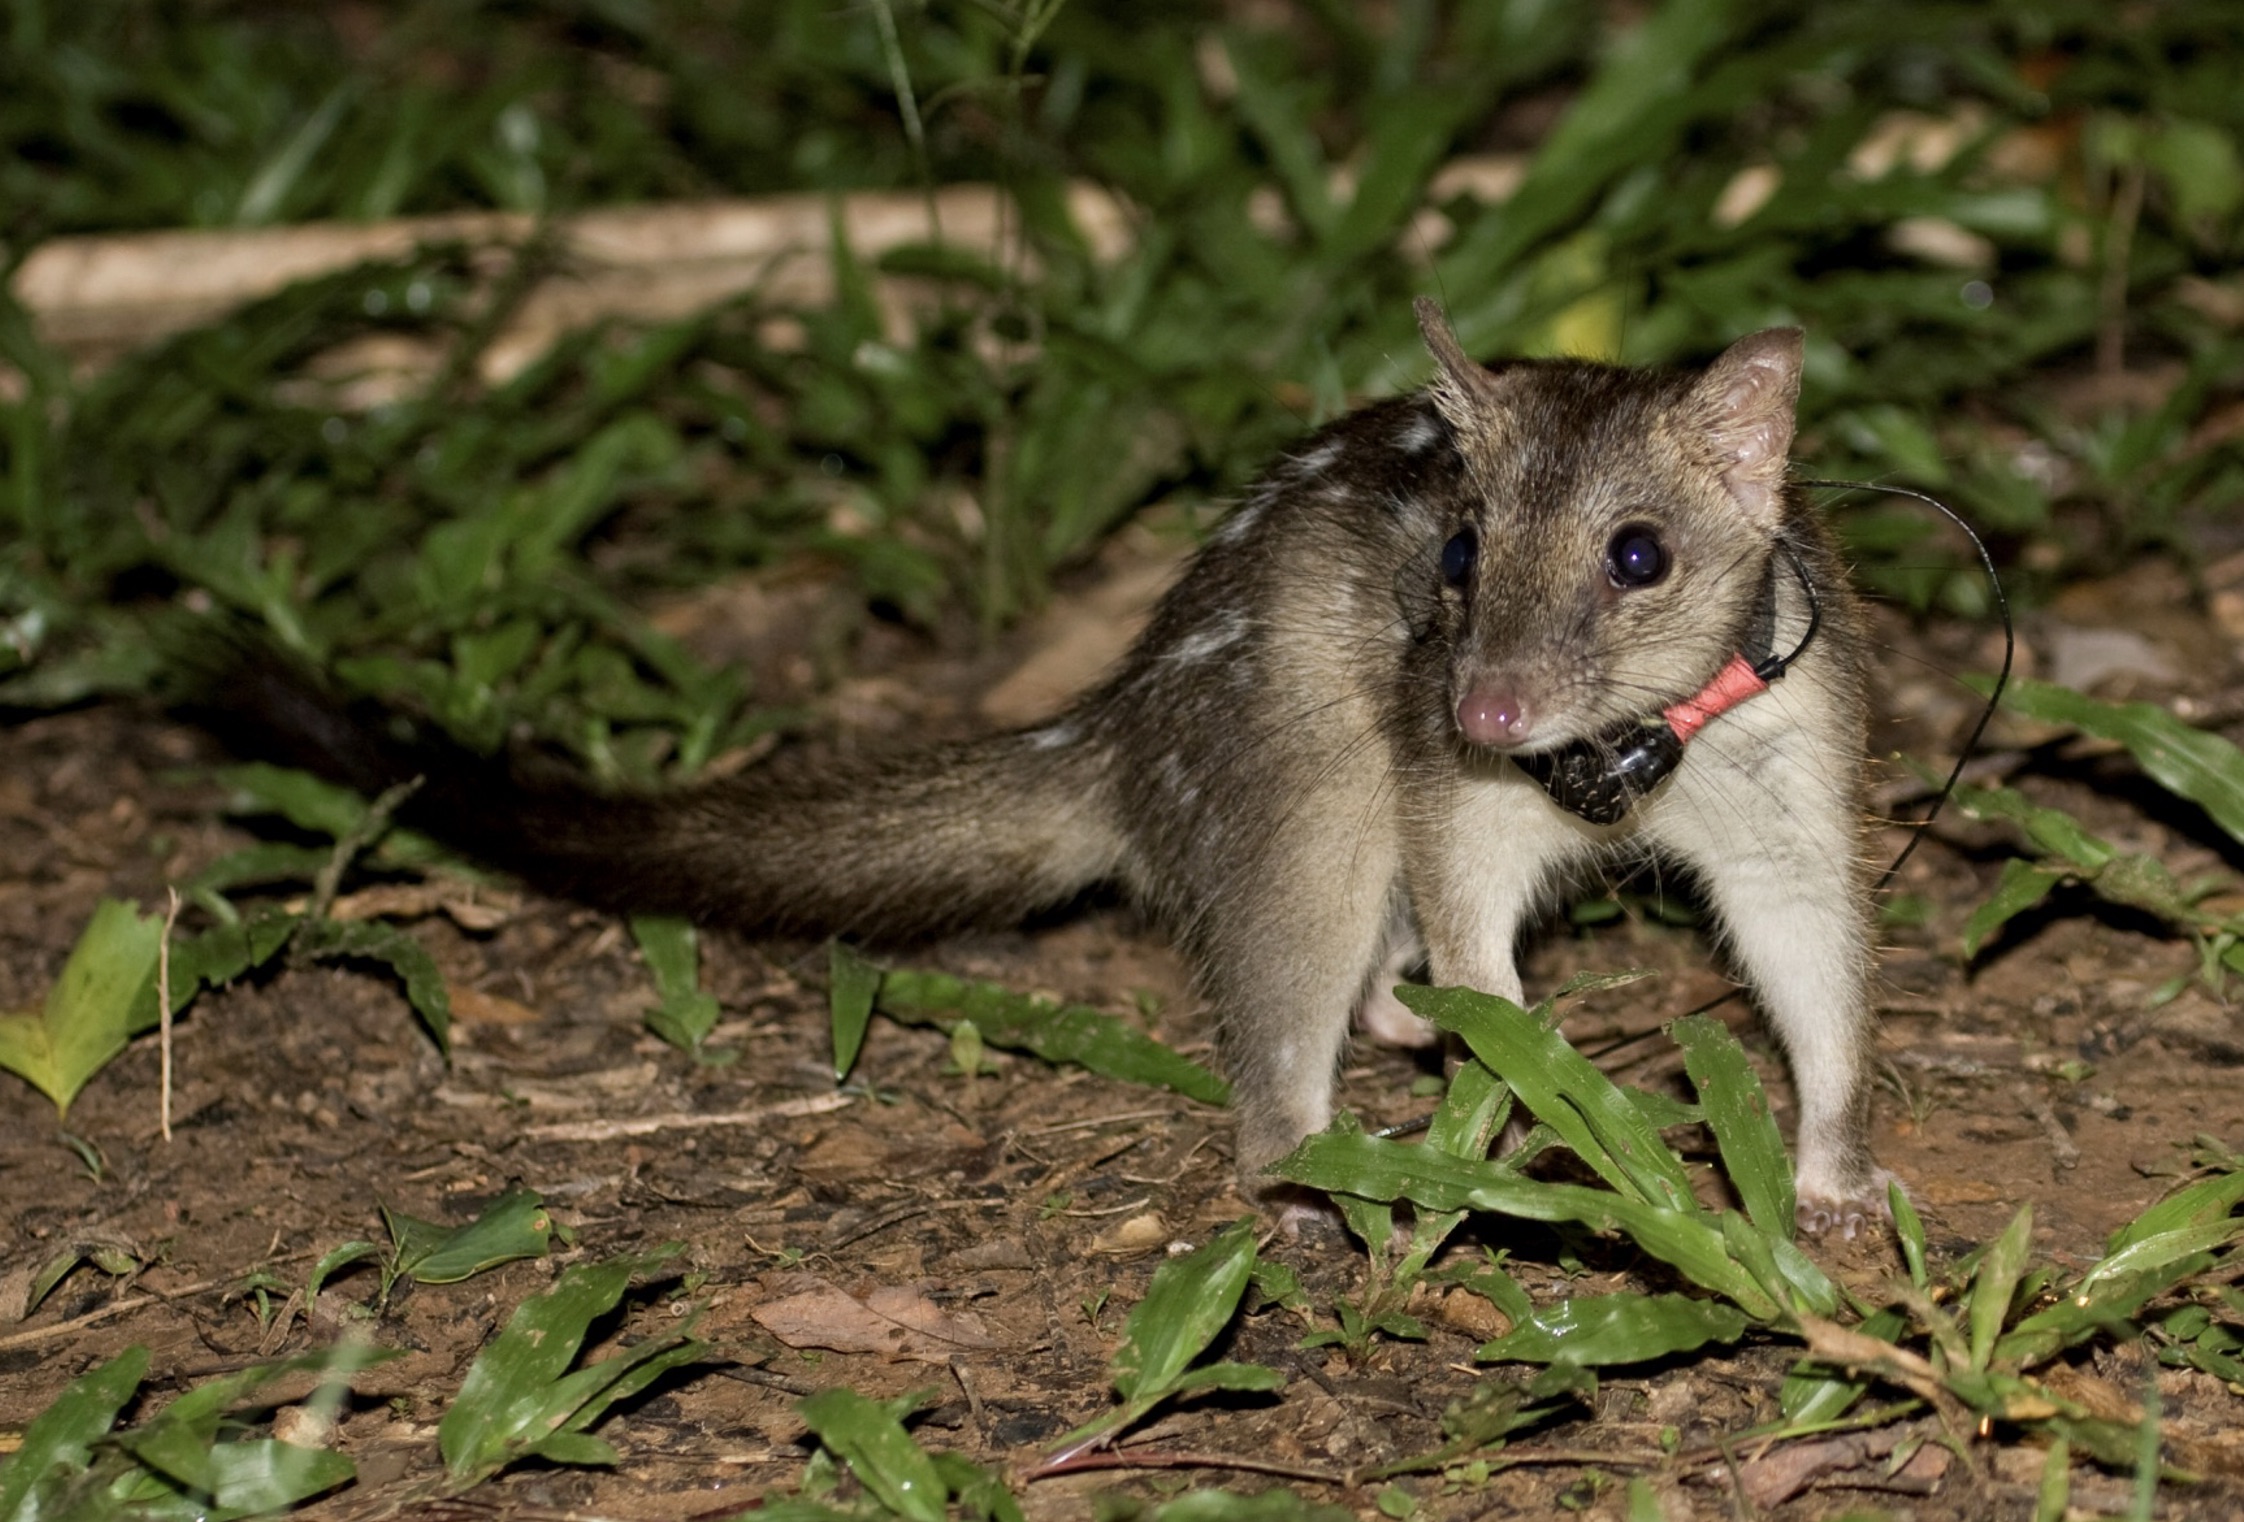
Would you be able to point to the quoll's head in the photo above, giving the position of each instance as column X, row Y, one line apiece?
column 1613, row 534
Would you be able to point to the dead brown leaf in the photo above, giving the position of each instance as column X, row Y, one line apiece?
column 895, row 1320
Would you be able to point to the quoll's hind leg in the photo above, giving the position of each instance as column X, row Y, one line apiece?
column 1284, row 969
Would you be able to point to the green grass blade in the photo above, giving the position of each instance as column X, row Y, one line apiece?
column 1909, row 1230
column 1564, row 1090
column 375, row 941
column 1737, row 1111
column 1070, row 1033
column 1249, row 1377
column 302, row 799
column 1377, row 1169
column 218, row 956
column 261, row 1476
column 2153, row 1253
column 851, row 982
column 58, row 1441
column 2000, row 1268
column 2054, row 830
column 1810, row 1395
column 685, row 1015
column 1638, row 94
column 1473, row 1109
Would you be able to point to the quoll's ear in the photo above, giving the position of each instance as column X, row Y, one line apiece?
column 1469, row 396
column 1745, row 405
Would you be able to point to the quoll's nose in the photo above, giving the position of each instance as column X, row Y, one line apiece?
column 1497, row 716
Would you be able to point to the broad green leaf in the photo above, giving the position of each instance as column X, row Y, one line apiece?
column 2021, row 886
column 218, row 956
column 1616, row 1329
column 258, row 1477
column 2000, row 1268
column 520, row 1390
column 576, row 1448
column 869, row 1436
column 1564, row 1090
column 1187, row 1306
column 110, row 1256
column 1069, row 1033
column 181, row 1442
column 1372, row 1222
column 1473, row 1110
column 2150, row 1254
column 2196, row 1204
column 685, row 1016
column 515, row 1225
column 305, row 801
column 88, row 1014
column 1777, row 1264
column 1737, row 1112
column 60, row 1439
column 2202, row 767
column 332, row 1261
column 1636, row 98
column 2109, row 1310
column 852, row 981
column 270, row 862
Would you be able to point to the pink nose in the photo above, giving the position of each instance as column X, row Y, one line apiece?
column 1495, row 716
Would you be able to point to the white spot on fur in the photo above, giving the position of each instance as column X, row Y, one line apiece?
column 1173, row 777
column 1212, row 640
column 1053, row 736
column 1419, row 435
column 1237, row 526
column 1321, row 459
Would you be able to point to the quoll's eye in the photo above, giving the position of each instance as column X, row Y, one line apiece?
column 1635, row 558
column 1459, row 555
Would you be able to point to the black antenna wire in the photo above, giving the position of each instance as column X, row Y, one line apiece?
column 2002, row 677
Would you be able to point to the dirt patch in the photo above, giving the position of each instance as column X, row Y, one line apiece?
column 982, row 1236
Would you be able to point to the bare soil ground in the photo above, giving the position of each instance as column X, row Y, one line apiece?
column 983, row 1236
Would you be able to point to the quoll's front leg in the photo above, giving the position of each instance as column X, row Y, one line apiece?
column 1775, row 847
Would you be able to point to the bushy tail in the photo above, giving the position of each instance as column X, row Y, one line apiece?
column 896, row 847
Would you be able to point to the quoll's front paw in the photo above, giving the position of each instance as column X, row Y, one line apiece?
column 1390, row 1022
column 1849, row 1212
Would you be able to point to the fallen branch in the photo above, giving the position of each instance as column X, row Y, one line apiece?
column 648, row 1125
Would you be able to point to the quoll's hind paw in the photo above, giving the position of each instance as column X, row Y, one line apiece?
column 1311, row 1221
column 1849, row 1214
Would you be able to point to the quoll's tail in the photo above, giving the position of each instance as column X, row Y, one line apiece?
column 896, row 847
